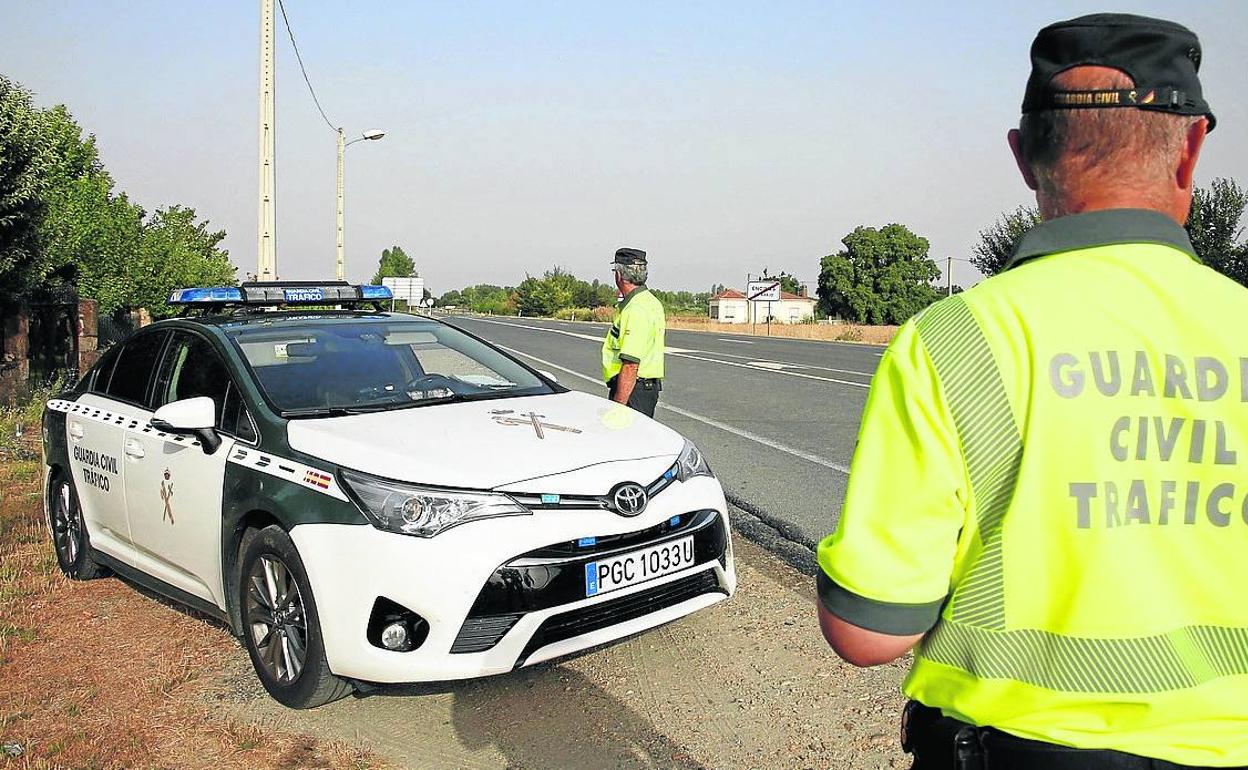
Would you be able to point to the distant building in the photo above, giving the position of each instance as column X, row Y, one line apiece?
column 731, row 307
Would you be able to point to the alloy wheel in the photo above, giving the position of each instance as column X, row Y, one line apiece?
column 66, row 525
column 276, row 619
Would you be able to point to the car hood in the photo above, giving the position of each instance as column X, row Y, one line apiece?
column 488, row 444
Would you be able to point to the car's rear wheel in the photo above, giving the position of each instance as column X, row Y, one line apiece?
column 74, row 553
column 281, row 628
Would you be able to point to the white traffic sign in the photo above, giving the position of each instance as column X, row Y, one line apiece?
column 409, row 290
column 767, row 290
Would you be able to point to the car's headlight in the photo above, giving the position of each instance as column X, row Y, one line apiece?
column 423, row 511
column 691, row 463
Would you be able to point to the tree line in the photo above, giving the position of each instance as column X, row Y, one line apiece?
column 558, row 293
column 62, row 220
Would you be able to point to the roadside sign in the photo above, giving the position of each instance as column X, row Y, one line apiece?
column 767, row 290
column 409, row 290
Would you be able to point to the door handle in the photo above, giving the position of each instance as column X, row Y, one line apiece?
column 134, row 448
column 75, row 431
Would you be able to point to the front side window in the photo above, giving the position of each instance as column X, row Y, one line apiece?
column 372, row 365
column 193, row 368
column 133, row 370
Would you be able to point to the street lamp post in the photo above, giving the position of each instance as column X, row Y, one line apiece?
column 343, row 144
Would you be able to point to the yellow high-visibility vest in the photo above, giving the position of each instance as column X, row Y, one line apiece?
column 1052, row 476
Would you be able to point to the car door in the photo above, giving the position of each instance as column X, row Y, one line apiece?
column 173, row 486
column 95, row 427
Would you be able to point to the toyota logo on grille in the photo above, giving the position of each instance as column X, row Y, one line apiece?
column 630, row 499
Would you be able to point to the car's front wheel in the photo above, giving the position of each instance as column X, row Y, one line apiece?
column 281, row 627
column 74, row 554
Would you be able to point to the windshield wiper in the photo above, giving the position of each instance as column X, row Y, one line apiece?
column 337, row 411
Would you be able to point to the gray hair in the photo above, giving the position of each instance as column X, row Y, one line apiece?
column 1124, row 146
column 635, row 274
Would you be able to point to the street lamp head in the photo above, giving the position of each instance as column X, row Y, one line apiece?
column 374, row 133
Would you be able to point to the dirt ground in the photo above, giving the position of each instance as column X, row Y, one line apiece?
column 102, row 675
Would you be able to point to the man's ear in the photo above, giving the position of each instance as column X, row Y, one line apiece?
column 1016, row 146
column 1192, row 143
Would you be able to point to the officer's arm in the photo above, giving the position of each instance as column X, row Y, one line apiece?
column 860, row 646
column 626, row 380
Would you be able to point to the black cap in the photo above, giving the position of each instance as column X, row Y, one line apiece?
column 629, row 257
column 1161, row 58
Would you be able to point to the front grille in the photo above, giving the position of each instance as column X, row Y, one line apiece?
column 596, row 617
column 480, row 634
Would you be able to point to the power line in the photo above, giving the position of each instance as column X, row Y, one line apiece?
column 299, row 58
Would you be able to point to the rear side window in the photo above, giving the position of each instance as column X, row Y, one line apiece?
column 134, row 368
column 98, row 379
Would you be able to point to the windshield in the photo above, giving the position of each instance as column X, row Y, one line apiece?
column 329, row 366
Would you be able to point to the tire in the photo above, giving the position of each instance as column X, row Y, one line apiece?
column 70, row 540
column 281, row 627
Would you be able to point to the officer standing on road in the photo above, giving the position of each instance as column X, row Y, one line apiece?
column 632, row 353
column 1048, row 495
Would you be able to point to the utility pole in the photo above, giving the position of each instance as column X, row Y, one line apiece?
column 949, row 276
column 266, row 253
column 342, row 150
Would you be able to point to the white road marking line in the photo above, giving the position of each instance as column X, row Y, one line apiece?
column 682, row 353
column 739, row 342
column 813, row 458
column 775, row 371
column 791, row 364
column 589, row 337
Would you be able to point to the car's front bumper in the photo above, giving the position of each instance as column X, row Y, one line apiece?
column 503, row 593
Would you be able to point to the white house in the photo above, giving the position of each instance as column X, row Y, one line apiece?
column 731, row 307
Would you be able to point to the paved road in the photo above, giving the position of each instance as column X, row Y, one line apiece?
column 777, row 418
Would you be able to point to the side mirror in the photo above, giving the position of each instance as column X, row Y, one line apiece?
column 197, row 416
column 548, row 375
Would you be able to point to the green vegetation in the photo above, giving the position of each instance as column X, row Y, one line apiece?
column 61, row 219
column 559, row 294
column 394, row 263
column 881, row 276
column 997, row 242
column 1215, row 230
column 1213, row 225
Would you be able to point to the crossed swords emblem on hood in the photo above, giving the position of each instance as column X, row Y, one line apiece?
column 533, row 419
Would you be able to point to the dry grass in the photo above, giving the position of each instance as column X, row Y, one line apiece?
column 99, row 675
column 877, row 335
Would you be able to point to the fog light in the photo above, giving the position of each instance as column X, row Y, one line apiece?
column 394, row 636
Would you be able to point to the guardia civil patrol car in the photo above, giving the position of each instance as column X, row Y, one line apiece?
column 370, row 497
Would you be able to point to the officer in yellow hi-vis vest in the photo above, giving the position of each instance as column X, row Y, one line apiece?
column 1049, row 495
column 632, row 353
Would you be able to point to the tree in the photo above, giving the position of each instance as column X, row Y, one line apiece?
column 23, row 162
column 997, row 243
column 1213, row 225
column 60, row 217
column 179, row 251
column 881, row 276
column 547, row 295
column 394, row 263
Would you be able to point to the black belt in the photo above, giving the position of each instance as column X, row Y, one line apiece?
column 939, row 742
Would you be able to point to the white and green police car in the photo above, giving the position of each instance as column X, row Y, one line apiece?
column 371, row 497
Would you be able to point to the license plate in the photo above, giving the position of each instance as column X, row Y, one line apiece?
column 639, row 566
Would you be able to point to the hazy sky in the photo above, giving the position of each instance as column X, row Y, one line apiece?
column 722, row 137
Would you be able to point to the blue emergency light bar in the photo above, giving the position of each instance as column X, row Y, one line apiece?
column 274, row 293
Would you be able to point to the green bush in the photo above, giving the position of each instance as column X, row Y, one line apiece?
column 574, row 314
